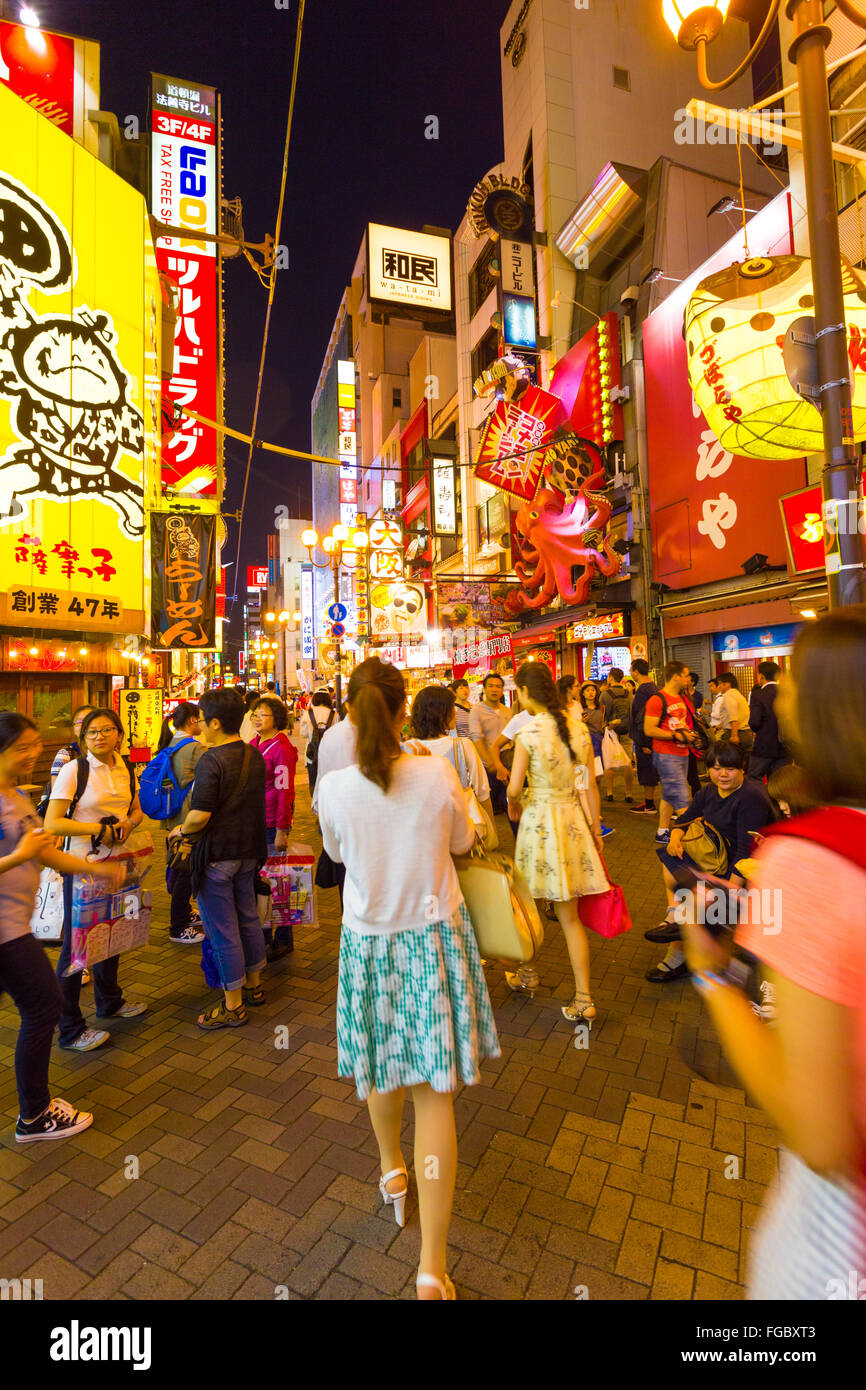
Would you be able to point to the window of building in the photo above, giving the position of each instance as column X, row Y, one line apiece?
column 622, row 79
column 481, row 282
column 485, row 353
column 397, row 398
column 528, row 171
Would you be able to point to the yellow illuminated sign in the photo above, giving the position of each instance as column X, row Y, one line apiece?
column 79, row 382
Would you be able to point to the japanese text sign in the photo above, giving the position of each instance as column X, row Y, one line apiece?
column 183, row 585
column 79, row 377
column 802, row 517
column 141, row 716
column 512, row 451
column 710, row 509
column 185, row 193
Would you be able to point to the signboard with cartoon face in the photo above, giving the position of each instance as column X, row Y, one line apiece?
column 79, row 381
column 397, row 610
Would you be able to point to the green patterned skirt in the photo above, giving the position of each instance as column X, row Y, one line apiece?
column 413, row 1007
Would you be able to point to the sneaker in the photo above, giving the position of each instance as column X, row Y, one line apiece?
column 628, row 801
column 128, row 1011
column 190, row 936
column 57, row 1122
column 608, row 798
column 643, row 810
column 607, row 830
column 195, row 921
column 87, row 1041
column 663, row 837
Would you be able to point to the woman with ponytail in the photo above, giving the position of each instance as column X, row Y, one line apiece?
column 557, row 852
column 412, row 1004
column 180, row 733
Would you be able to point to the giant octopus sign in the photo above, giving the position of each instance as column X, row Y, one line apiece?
column 530, row 439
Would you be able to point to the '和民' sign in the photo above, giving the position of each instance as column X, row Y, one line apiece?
column 183, row 580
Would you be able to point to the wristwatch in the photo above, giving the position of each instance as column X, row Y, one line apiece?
column 736, row 974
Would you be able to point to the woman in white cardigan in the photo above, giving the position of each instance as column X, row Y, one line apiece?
column 412, row 1005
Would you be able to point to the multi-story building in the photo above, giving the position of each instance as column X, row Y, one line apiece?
column 616, row 191
column 389, row 376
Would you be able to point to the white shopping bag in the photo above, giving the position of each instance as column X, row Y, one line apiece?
column 612, row 752
column 47, row 919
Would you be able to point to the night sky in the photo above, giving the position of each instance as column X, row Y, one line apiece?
column 369, row 75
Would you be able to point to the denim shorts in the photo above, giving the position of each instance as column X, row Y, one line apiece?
column 672, row 769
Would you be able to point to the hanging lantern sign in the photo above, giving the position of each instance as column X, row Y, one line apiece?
column 735, row 328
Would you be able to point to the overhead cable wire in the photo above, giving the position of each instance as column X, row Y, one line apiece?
column 251, row 438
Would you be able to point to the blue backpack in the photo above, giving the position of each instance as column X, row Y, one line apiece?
column 159, row 794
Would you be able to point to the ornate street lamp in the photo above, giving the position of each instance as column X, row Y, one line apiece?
column 694, row 25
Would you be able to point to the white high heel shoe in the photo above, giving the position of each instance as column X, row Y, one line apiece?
column 446, row 1289
column 397, row 1200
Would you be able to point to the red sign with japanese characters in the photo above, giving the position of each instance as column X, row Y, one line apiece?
column 802, row 514
column 711, row 509
column 514, row 443
column 40, row 67
column 185, row 193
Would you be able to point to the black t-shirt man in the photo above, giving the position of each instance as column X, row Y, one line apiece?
column 240, row 831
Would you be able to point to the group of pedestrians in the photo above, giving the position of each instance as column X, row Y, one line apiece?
column 413, row 1008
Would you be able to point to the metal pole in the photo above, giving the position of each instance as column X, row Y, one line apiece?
column 338, row 674
column 846, row 575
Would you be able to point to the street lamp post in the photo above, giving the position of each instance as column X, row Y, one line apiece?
column 333, row 546
column 288, row 622
column 695, row 24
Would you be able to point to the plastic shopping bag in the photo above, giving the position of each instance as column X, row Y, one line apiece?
column 47, row 919
column 612, row 752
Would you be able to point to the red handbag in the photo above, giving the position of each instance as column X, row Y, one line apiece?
column 605, row 913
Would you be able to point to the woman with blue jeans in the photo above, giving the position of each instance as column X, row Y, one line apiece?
column 227, row 819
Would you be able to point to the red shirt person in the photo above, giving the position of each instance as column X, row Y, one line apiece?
column 669, row 721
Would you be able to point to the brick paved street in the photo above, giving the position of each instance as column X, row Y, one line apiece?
column 603, row 1168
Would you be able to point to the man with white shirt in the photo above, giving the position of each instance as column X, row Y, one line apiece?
column 734, row 722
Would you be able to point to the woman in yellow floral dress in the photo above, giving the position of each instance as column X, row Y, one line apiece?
column 557, row 850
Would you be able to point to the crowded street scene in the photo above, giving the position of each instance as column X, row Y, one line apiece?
column 433, row 667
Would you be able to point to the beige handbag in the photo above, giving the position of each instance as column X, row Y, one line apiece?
column 502, row 909
column 706, row 847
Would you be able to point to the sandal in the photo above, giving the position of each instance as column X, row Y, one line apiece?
column 254, row 995
column 221, row 1017
column 580, row 1010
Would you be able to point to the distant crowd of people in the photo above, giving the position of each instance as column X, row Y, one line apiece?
column 774, row 788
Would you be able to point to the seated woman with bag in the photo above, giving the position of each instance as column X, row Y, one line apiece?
column 712, row 835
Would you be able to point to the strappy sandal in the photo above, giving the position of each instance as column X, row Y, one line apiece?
column 580, row 1010
column 221, row 1017
column 254, row 996
column 445, row 1288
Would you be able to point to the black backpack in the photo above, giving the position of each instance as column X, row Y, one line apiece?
column 319, row 730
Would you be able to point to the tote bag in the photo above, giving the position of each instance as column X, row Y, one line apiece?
column 501, row 908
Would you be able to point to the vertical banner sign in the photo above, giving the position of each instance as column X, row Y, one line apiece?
column 347, row 424
column 141, row 716
column 185, row 167
column 183, row 581
column 308, row 651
